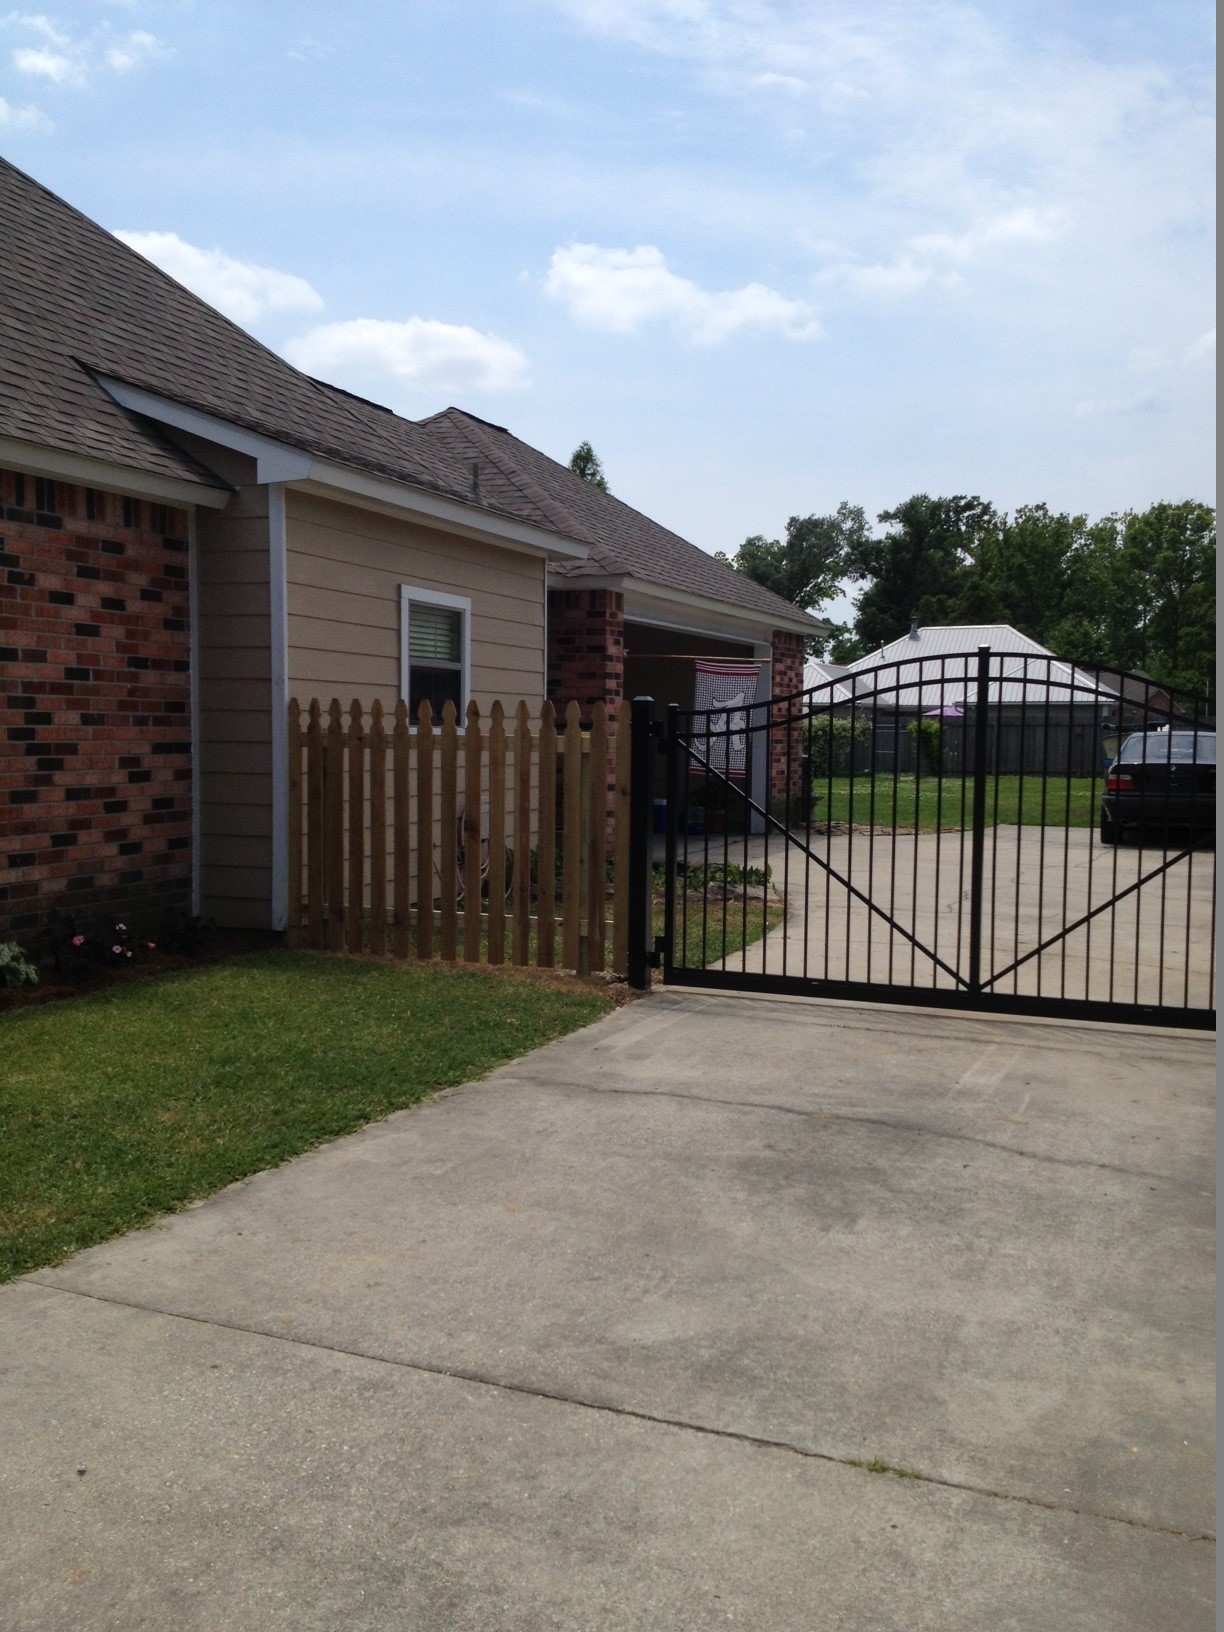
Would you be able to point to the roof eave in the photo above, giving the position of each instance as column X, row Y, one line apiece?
column 87, row 471
column 278, row 461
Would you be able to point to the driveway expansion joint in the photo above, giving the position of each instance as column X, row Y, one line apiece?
column 732, row 1435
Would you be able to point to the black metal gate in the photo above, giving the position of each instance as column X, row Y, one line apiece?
column 987, row 830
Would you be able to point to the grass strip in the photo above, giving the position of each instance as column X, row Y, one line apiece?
column 932, row 803
column 119, row 1107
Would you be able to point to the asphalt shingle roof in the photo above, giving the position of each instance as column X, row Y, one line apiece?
column 621, row 540
column 75, row 302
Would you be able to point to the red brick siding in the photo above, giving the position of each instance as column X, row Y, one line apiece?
column 786, row 679
column 586, row 649
column 95, row 758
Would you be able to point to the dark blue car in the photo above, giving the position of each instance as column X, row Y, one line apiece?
column 1161, row 779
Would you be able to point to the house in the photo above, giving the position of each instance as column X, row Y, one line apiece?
column 194, row 531
column 1046, row 715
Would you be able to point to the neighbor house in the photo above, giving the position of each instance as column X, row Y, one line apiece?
column 1044, row 714
column 194, row 532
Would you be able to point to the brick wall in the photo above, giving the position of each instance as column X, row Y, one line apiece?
column 586, row 649
column 95, row 762
column 787, row 678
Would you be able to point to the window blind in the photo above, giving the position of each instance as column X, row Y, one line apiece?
column 434, row 633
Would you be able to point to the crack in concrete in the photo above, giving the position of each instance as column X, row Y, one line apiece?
column 823, row 1114
column 733, row 1435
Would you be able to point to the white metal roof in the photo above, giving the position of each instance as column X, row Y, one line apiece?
column 936, row 667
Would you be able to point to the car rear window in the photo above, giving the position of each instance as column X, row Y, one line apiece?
column 1178, row 747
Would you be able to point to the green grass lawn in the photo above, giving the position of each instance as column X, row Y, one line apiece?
column 699, row 950
column 122, row 1106
column 947, row 802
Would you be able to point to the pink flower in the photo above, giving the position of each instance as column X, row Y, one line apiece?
column 127, row 954
column 78, row 940
column 152, row 945
column 116, row 950
column 121, row 928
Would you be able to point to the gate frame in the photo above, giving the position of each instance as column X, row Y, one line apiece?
column 650, row 736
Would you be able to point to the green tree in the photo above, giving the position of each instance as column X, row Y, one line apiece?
column 921, row 568
column 1168, row 577
column 808, row 565
column 584, row 462
column 1023, row 571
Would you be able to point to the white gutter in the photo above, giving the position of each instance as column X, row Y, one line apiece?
column 329, row 478
column 85, row 471
column 642, row 589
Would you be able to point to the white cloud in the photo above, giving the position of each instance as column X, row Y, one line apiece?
column 27, row 118
column 418, row 352
column 1095, row 408
column 52, row 65
column 620, row 290
column 138, row 47
column 944, row 257
column 67, row 60
column 1203, row 349
column 240, row 289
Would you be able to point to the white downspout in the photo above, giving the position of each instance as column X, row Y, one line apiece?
column 278, row 603
column 193, row 657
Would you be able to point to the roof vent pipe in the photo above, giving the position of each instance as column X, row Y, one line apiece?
column 913, row 634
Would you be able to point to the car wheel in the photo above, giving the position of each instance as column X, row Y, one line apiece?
column 1109, row 830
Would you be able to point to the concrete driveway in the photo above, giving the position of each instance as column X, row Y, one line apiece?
column 724, row 1312
column 1153, row 945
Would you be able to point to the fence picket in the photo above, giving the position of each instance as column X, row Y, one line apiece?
column 314, row 826
column 425, row 833
column 472, row 811
column 448, row 836
column 546, row 859
column 355, row 923
column 334, row 804
column 497, row 835
column 293, row 925
column 597, row 840
column 401, row 818
column 571, row 841
column 377, row 749
column 521, row 908
column 620, row 865
column 432, row 834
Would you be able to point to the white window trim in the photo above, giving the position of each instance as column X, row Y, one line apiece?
column 454, row 603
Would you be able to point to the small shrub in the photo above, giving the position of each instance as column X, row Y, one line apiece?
column 831, row 742
column 928, row 745
column 16, row 969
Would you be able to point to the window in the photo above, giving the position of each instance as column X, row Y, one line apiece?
column 93, row 505
column 131, row 512
column 435, row 642
column 44, row 496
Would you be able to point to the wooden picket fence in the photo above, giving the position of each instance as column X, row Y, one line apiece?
column 481, row 845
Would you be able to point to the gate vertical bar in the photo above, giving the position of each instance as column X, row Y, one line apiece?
column 978, row 851
column 672, row 790
column 641, row 791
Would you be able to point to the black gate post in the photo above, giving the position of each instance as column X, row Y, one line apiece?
column 978, row 852
column 674, row 785
column 641, row 811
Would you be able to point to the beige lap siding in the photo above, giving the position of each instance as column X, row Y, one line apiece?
column 235, row 712
column 346, row 567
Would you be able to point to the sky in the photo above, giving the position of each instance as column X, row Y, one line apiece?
column 765, row 256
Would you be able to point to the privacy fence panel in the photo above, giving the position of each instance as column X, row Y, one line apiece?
column 490, row 840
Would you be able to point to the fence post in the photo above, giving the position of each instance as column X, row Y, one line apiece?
column 641, row 794
column 978, row 852
column 293, row 926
